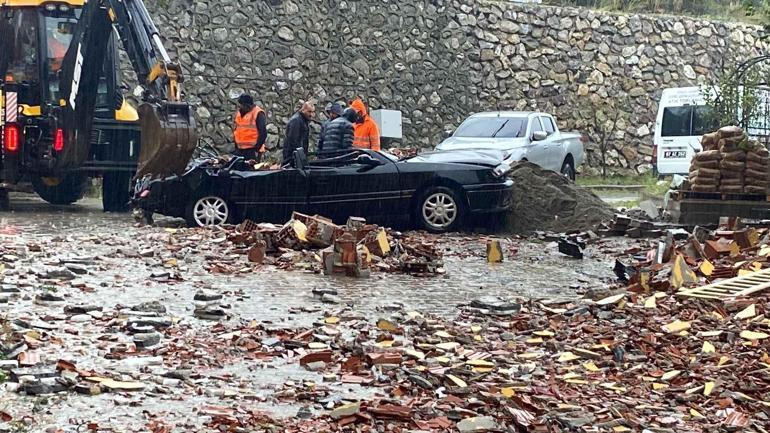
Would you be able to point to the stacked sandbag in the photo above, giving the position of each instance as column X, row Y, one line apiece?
column 710, row 141
column 730, row 164
column 757, row 168
column 733, row 163
column 705, row 171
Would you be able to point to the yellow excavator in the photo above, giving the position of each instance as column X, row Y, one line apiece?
column 63, row 114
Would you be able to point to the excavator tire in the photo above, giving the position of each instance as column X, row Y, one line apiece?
column 61, row 190
column 115, row 192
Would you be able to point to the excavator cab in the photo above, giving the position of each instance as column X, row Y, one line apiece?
column 63, row 117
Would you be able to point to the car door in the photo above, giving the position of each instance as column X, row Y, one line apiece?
column 354, row 189
column 270, row 195
column 553, row 147
column 538, row 150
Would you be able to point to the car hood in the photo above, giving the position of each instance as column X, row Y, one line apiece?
column 452, row 143
column 488, row 157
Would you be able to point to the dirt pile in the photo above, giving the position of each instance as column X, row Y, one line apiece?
column 547, row 201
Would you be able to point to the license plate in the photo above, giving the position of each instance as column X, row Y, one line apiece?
column 675, row 154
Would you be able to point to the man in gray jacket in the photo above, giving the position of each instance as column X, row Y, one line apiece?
column 338, row 134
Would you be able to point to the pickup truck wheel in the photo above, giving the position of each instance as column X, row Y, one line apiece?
column 568, row 170
column 439, row 210
column 208, row 211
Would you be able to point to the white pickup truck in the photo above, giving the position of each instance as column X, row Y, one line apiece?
column 523, row 136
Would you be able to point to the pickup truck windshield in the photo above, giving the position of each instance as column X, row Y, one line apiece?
column 492, row 127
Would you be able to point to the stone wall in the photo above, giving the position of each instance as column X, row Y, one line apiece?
column 439, row 60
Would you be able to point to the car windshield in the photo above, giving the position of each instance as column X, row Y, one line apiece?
column 492, row 127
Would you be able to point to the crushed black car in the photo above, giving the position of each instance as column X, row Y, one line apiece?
column 434, row 191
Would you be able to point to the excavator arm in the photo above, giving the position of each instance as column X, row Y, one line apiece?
column 166, row 122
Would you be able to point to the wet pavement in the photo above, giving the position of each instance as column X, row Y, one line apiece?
column 534, row 270
column 122, row 261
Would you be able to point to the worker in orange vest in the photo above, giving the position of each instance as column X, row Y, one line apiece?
column 250, row 131
column 58, row 43
column 366, row 134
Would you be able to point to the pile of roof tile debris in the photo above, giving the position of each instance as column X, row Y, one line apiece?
column 316, row 244
column 702, row 257
column 621, row 364
column 652, row 358
column 636, row 227
column 404, row 152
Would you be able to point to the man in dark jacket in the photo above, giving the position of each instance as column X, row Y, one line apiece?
column 338, row 134
column 333, row 111
column 298, row 132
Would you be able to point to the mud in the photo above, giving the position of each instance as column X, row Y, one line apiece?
column 547, row 201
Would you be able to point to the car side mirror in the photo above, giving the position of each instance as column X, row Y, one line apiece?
column 448, row 133
column 367, row 160
column 539, row 135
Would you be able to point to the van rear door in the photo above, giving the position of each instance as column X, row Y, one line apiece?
column 681, row 130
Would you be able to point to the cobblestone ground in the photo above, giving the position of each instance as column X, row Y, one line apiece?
column 37, row 238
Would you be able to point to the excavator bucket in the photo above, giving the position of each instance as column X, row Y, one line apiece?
column 168, row 138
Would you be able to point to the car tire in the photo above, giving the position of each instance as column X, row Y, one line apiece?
column 209, row 211
column 568, row 169
column 439, row 210
column 61, row 191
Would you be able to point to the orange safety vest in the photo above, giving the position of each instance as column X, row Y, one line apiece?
column 246, row 133
column 56, row 52
column 366, row 135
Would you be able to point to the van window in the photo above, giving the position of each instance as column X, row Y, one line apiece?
column 687, row 121
column 677, row 122
column 703, row 120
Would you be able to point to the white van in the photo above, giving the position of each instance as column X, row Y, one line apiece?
column 683, row 118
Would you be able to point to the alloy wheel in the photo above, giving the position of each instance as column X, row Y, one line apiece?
column 211, row 211
column 439, row 210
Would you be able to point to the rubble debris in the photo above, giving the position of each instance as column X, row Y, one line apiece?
column 316, row 243
column 571, row 248
column 477, row 424
column 636, row 228
column 207, row 296
column 147, row 340
column 404, row 152
column 494, row 251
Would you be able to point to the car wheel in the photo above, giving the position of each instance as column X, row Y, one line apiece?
column 439, row 210
column 209, row 211
column 568, row 170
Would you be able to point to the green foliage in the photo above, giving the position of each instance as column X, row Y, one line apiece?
column 714, row 8
column 735, row 99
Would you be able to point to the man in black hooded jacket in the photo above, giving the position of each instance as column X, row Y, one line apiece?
column 338, row 134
